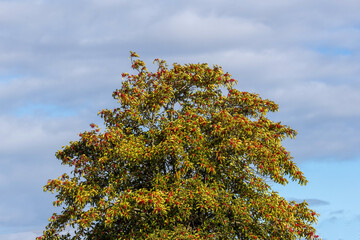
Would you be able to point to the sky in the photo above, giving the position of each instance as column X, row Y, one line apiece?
column 61, row 60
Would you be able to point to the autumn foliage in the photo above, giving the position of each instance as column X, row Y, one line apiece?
column 184, row 156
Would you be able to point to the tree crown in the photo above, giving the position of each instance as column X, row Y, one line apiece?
column 180, row 160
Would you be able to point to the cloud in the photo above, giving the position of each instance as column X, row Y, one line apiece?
column 30, row 135
column 194, row 31
column 311, row 201
column 316, row 202
column 322, row 99
column 338, row 212
column 27, row 162
column 338, row 228
column 20, row 236
column 61, row 60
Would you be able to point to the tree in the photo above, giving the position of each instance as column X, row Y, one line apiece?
column 180, row 160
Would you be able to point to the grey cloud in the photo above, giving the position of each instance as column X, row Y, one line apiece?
column 190, row 29
column 317, row 202
column 339, row 227
column 338, row 212
column 311, row 201
column 61, row 60
column 322, row 138
column 27, row 162
column 29, row 136
column 71, row 59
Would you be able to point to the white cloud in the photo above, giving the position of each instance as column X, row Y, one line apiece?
column 31, row 135
column 188, row 28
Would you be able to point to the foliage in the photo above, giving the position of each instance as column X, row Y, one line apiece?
column 180, row 160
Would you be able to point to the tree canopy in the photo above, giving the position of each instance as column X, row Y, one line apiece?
column 186, row 155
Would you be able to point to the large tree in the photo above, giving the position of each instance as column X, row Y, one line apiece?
column 184, row 156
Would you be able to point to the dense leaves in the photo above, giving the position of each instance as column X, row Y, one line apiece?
column 179, row 159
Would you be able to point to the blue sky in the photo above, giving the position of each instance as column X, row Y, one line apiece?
column 61, row 60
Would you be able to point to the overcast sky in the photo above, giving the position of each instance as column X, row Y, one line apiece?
column 61, row 60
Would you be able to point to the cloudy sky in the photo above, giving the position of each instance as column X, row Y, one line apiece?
column 61, row 60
